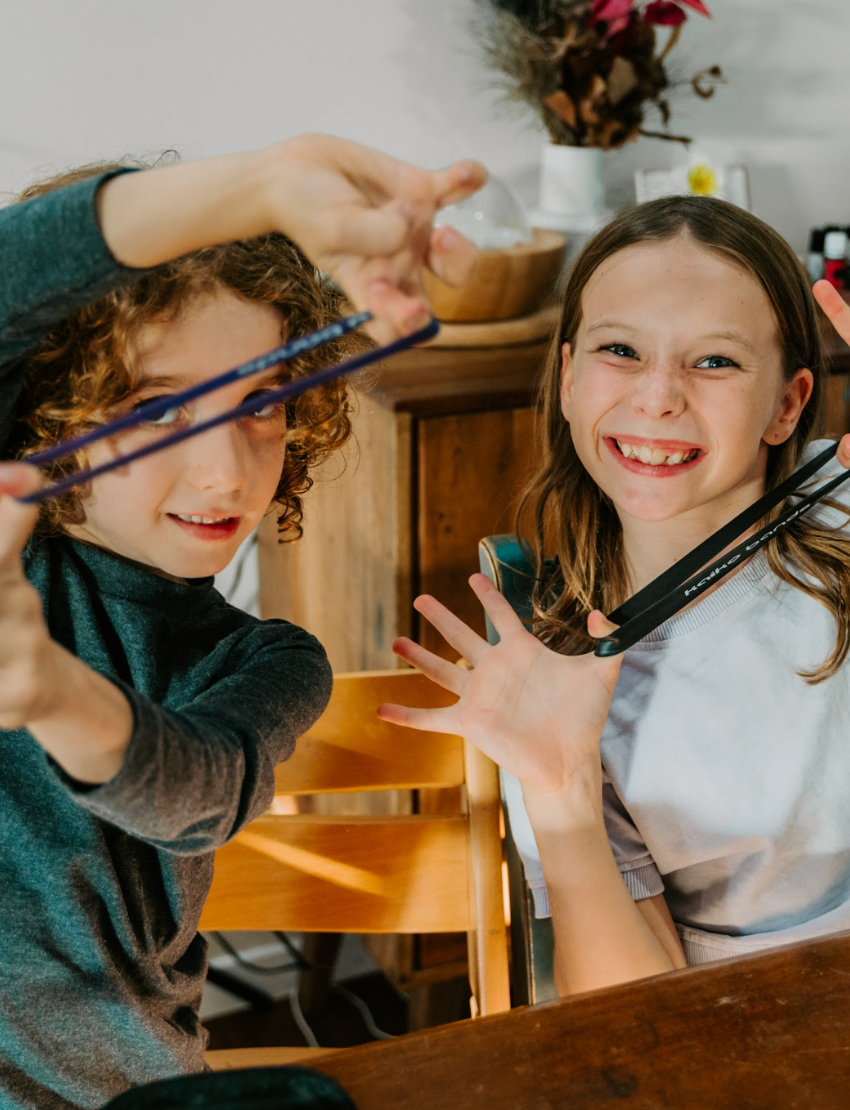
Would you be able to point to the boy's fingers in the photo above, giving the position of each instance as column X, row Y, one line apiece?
column 458, row 181
column 16, row 520
column 451, row 256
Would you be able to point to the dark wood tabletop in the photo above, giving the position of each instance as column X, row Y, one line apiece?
column 769, row 1032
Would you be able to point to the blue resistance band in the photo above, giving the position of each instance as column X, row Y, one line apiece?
column 161, row 405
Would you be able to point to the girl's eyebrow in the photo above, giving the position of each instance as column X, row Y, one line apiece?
column 731, row 336
column 611, row 324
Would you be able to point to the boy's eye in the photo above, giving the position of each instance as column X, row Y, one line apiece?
column 623, row 350
column 264, row 408
column 170, row 416
column 715, row 362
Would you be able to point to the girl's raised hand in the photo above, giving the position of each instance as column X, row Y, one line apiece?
column 538, row 714
column 24, row 681
column 838, row 313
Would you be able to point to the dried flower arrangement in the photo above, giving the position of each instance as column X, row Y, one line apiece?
column 589, row 66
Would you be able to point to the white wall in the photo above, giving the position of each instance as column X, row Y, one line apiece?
column 94, row 78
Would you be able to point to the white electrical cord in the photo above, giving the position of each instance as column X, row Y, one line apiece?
column 301, row 1022
column 365, row 1013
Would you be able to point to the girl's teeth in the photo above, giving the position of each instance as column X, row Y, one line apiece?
column 653, row 456
column 202, row 519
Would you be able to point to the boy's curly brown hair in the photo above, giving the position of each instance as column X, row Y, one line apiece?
column 84, row 368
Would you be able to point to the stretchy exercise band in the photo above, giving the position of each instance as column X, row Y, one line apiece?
column 164, row 404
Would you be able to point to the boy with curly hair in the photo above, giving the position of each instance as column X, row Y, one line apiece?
column 141, row 716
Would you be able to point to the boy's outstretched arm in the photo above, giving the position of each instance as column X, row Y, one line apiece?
column 361, row 216
column 81, row 719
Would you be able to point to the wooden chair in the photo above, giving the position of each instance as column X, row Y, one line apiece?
column 504, row 562
column 310, row 872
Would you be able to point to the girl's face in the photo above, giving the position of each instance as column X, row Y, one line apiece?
column 185, row 510
column 674, row 386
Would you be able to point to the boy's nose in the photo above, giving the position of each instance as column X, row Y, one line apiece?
column 218, row 459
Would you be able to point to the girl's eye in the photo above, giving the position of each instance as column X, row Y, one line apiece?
column 715, row 362
column 623, row 350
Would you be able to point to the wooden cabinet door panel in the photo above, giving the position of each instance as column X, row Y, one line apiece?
column 471, row 470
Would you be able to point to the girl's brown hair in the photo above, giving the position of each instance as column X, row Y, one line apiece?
column 568, row 507
column 85, row 367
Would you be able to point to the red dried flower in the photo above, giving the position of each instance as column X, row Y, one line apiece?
column 616, row 13
column 668, row 13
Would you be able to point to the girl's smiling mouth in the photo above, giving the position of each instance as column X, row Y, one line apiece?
column 660, row 458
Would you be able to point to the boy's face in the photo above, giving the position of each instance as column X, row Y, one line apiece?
column 224, row 478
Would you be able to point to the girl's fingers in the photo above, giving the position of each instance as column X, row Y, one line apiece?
column 461, row 637
column 448, row 675
column 834, row 306
column 598, row 625
column 843, row 453
column 498, row 609
column 424, row 720
column 16, row 520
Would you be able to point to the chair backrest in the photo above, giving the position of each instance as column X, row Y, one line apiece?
column 404, row 873
column 503, row 560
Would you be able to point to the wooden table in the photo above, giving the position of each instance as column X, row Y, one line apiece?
column 770, row 1032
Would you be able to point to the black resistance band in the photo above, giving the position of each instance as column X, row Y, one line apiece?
column 684, row 581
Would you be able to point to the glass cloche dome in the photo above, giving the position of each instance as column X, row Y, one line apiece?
column 493, row 218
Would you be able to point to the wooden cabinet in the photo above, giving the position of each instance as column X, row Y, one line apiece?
column 444, row 445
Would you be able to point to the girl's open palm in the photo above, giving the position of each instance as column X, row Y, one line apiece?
column 838, row 312
column 536, row 713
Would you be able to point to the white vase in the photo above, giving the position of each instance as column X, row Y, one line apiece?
column 571, row 180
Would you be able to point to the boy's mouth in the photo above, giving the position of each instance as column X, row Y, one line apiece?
column 206, row 527
column 661, row 456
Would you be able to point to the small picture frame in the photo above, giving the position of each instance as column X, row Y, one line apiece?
column 699, row 178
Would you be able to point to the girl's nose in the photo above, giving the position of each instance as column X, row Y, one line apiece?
column 218, row 459
column 659, row 391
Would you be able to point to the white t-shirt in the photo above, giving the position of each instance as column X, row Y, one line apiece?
column 727, row 776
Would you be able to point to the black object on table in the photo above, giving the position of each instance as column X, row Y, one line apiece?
column 284, row 1088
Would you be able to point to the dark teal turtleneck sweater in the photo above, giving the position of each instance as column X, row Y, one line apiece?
column 101, row 888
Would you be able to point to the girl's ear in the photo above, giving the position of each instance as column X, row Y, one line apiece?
column 567, row 380
column 791, row 404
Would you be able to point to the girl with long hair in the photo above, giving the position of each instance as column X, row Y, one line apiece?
column 686, row 800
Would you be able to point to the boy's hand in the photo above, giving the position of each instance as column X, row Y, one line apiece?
column 366, row 219
column 536, row 713
column 362, row 217
column 25, row 643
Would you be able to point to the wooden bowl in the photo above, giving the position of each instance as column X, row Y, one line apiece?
column 505, row 283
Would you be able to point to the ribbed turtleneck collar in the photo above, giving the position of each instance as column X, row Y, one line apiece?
column 124, row 578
